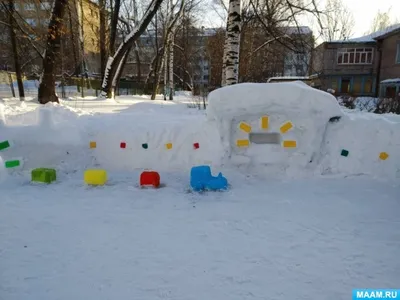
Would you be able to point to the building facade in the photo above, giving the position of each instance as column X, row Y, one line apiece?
column 356, row 67
column 79, row 43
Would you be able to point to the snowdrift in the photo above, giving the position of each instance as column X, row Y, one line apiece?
column 273, row 129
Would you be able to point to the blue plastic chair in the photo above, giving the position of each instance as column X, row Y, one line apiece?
column 201, row 179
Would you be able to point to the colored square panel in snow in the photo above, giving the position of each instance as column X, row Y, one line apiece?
column 196, row 145
column 122, row 145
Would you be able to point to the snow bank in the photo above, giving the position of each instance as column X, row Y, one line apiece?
column 365, row 136
column 304, row 135
column 46, row 137
column 307, row 109
column 148, row 130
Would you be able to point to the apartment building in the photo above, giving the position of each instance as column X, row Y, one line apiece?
column 80, row 40
column 358, row 66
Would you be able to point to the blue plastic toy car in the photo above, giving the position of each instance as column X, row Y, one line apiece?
column 201, row 179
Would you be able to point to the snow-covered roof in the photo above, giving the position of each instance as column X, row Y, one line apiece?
column 296, row 30
column 371, row 37
column 289, row 78
column 253, row 98
column 392, row 80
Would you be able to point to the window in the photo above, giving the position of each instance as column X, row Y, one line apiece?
column 390, row 92
column 31, row 22
column 93, row 41
column 355, row 56
column 398, row 53
column 45, row 6
column 368, row 85
column 91, row 12
column 205, row 77
column 345, row 85
column 29, row 6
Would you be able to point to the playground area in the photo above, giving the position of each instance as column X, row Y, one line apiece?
column 310, row 209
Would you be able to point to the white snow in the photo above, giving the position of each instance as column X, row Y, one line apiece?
column 319, row 235
column 370, row 37
column 308, row 109
column 391, row 80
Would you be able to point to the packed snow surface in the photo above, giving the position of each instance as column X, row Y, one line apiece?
column 265, row 238
column 297, row 239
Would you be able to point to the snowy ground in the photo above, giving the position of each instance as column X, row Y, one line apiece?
column 314, row 239
column 263, row 239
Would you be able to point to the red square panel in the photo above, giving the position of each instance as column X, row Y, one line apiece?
column 196, row 146
column 123, row 145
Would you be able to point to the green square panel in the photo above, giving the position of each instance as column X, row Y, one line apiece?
column 12, row 163
column 145, row 146
column 344, row 153
column 44, row 175
column 4, row 145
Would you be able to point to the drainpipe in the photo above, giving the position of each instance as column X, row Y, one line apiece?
column 378, row 73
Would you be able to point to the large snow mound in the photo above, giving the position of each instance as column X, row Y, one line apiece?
column 251, row 98
column 308, row 110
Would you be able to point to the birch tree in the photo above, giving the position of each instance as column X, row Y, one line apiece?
column 116, row 61
column 171, row 68
column 232, row 44
column 168, row 33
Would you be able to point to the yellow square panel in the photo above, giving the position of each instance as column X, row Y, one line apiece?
column 286, row 127
column 264, row 122
column 289, row 144
column 242, row 143
column 168, row 146
column 92, row 145
column 95, row 177
column 245, row 127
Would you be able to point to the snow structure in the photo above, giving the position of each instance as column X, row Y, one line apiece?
column 306, row 132
column 308, row 109
column 2, row 126
column 321, row 129
column 43, row 142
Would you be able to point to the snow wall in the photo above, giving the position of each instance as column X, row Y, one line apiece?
column 276, row 129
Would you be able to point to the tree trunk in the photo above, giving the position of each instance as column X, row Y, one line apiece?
column 158, row 75
column 103, row 49
column 233, row 42
column 165, row 76
column 139, row 73
column 113, row 62
column 73, row 39
column 13, row 38
column 170, row 27
column 47, row 91
column 224, row 57
column 114, row 24
column 171, row 68
column 119, row 72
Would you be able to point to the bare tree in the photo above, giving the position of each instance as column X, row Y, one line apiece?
column 114, row 62
column 13, row 38
column 338, row 21
column 381, row 21
column 46, row 91
column 169, row 30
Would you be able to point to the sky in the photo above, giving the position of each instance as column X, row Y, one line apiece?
column 363, row 11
